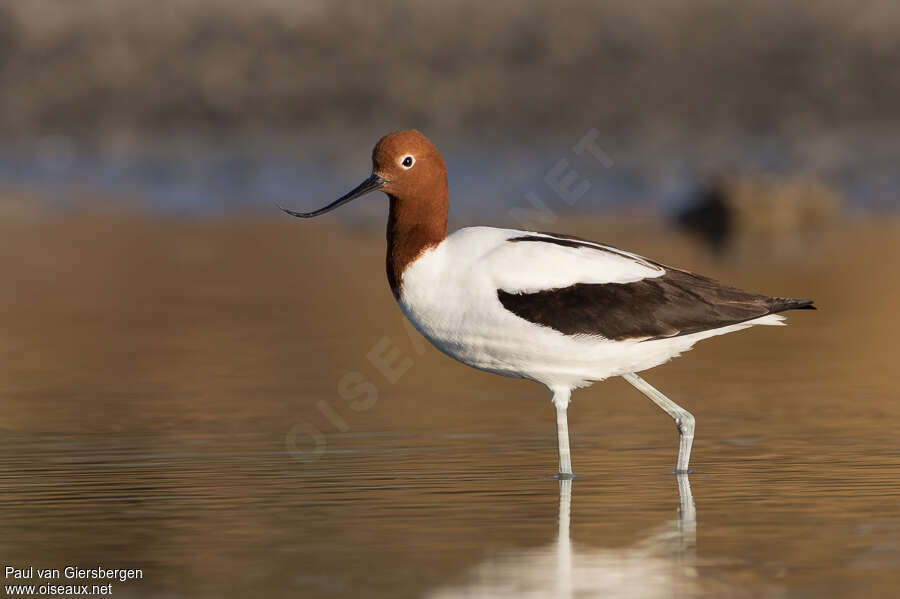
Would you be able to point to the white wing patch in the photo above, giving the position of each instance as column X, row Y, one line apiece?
column 530, row 266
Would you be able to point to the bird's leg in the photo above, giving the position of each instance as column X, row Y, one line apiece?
column 560, row 401
column 684, row 420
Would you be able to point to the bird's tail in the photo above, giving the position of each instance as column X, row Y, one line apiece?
column 780, row 304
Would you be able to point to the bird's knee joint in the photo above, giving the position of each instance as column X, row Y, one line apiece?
column 685, row 423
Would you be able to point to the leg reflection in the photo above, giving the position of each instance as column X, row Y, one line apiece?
column 687, row 511
column 563, row 542
column 686, row 551
column 657, row 563
column 671, row 549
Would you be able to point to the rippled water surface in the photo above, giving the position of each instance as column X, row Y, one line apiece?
column 176, row 399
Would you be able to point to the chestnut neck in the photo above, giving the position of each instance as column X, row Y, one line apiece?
column 413, row 227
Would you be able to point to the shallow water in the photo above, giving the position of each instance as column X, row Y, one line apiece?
column 172, row 402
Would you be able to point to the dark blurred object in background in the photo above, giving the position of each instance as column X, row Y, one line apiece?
column 760, row 207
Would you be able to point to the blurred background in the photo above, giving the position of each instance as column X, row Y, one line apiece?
column 173, row 346
column 212, row 106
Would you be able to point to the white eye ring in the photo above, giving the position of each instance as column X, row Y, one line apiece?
column 407, row 161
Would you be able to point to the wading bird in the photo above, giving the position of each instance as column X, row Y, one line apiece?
column 555, row 309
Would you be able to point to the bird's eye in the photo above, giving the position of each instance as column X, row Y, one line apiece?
column 408, row 161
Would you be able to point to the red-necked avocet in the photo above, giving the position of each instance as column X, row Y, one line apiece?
column 555, row 309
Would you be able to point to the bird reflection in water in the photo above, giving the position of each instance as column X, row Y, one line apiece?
column 660, row 564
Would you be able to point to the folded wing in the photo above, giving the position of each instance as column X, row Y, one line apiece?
column 617, row 295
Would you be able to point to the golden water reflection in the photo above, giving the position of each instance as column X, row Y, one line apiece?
column 153, row 371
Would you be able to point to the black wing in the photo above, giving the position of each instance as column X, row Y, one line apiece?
column 676, row 303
